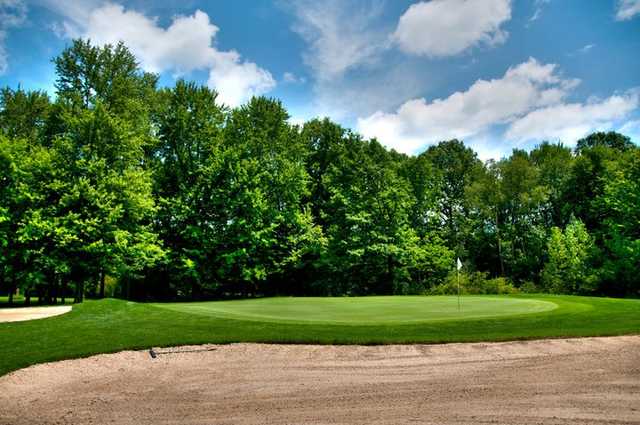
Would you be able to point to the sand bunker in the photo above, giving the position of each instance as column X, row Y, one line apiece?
column 30, row 313
column 570, row 381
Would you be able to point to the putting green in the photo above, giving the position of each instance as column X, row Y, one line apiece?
column 365, row 310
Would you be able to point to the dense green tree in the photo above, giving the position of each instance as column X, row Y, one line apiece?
column 457, row 167
column 524, row 234
column 488, row 211
column 568, row 270
column 554, row 163
column 326, row 144
column 611, row 139
column 264, row 231
column 190, row 124
column 23, row 114
column 171, row 195
column 620, row 205
column 105, row 203
column 372, row 246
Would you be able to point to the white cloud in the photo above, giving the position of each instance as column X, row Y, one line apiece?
column 569, row 122
column 448, row 27
column 627, row 9
column 185, row 45
column 339, row 36
column 291, row 78
column 631, row 129
column 238, row 81
column 417, row 122
column 13, row 13
column 586, row 48
column 537, row 12
column 582, row 50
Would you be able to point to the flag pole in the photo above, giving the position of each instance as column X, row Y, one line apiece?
column 458, row 278
column 458, row 267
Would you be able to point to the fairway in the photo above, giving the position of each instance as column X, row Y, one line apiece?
column 364, row 310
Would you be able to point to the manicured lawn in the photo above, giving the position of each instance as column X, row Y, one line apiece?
column 113, row 325
column 364, row 310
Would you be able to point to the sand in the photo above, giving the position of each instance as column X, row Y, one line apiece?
column 29, row 313
column 561, row 381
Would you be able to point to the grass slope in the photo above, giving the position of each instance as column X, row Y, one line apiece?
column 113, row 325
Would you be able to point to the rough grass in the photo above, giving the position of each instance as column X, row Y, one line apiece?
column 114, row 325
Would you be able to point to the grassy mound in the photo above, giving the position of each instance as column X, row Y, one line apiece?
column 113, row 325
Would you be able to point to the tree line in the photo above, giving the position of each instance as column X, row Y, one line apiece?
column 120, row 187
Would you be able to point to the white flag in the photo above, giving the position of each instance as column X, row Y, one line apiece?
column 459, row 264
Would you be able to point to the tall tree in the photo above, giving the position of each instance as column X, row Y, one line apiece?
column 620, row 205
column 190, row 124
column 260, row 183
column 458, row 166
column 104, row 127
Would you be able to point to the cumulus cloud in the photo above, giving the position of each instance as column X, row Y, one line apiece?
column 418, row 122
column 449, row 27
column 627, row 9
column 339, row 35
column 569, row 122
column 238, row 81
column 187, row 44
column 13, row 13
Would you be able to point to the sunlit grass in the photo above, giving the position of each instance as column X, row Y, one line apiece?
column 113, row 325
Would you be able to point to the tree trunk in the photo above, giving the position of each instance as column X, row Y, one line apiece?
column 102, row 277
column 27, row 297
column 390, row 272
column 12, row 288
column 79, row 293
column 499, row 246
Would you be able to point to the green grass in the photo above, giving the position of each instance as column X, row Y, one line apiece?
column 114, row 325
column 364, row 310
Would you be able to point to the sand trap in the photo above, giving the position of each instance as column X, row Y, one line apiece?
column 571, row 381
column 30, row 313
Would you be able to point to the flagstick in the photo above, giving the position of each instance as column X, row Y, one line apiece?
column 458, row 278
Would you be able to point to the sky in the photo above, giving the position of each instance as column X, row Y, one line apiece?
column 497, row 74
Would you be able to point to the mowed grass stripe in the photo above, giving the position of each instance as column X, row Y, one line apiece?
column 114, row 325
column 365, row 310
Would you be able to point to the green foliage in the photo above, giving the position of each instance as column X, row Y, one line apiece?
column 476, row 283
column 620, row 204
column 568, row 269
column 23, row 114
column 611, row 139
column 166, row 193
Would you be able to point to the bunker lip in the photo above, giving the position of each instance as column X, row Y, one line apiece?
column 21, row 314
column 559, row 381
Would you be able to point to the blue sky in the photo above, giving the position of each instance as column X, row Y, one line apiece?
column 499, row 74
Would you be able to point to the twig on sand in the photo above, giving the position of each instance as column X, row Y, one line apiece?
column 155, row 353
